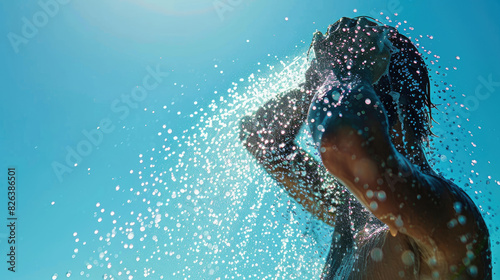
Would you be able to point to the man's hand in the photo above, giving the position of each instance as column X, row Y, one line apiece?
column 355, row 47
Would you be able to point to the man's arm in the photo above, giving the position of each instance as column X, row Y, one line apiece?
column 269, row 136
column 351, row 127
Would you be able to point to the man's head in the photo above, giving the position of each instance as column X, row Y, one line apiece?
column 403, row 89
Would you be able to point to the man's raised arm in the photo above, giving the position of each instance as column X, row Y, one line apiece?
column 269, row 136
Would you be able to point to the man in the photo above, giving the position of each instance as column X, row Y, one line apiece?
column 366, row 101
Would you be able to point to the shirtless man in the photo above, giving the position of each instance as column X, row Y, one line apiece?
column 366, row 101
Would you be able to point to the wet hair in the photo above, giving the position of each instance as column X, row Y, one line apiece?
column 404, row 91
column 408, row 77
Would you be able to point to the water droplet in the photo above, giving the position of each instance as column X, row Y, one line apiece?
column 462, row 220
column 369, row 193
column 472, row 270
column 376, row 254
column 408, row 257
column 399, row 221
column 381, row 196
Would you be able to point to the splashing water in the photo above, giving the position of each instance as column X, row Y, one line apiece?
column 205, row 209
column 200, row 207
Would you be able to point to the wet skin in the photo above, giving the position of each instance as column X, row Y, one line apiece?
column 431, row 229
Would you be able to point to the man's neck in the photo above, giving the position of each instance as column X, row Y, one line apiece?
column 410, row 148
